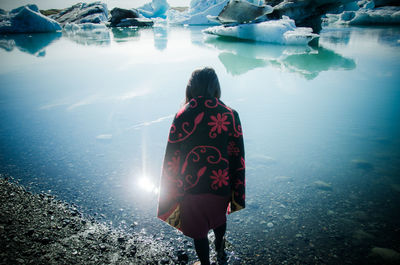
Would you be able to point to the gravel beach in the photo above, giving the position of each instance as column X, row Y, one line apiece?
column 39, row 229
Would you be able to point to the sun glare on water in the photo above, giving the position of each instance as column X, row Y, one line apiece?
column 145, row 184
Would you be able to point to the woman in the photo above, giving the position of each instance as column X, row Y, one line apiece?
column 203, row 175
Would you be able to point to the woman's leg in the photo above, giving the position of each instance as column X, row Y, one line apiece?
column 219, row 233
column 202, row 250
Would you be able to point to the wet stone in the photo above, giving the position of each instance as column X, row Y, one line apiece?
column 182, row 256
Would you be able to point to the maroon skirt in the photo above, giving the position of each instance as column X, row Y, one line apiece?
column 202, row 212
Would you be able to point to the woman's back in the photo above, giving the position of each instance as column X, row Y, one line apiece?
column 206, row 132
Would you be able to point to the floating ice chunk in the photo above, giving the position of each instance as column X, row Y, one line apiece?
column 199, row 6
column 281, row 31
column 85, row 26
column 205, row 12
column 27, row 19
column 366, row 4
column 104, row 137
column 157, row 8
column 241, row 11
column 381, row 16
column 95, row 12
column 198, row 13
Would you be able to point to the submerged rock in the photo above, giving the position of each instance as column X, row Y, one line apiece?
column 27, row 19
column 395, row 187
column 321, row 185
column 95, row 12
column 388, row 255
column 362, row 235
column 362, row 164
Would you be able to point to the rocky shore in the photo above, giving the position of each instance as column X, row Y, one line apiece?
column 39, row 229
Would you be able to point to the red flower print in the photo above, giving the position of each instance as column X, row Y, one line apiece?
column 220, row 178
column 219, row 123
column 232, row 149
column 173, row 165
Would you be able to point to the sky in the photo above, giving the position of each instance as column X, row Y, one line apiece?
column 47, row 4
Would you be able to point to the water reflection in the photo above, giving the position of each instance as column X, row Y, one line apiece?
column 125, row 34
column 241, row 57
column 96, row 36
column 311, row 64
column 160, row 37
column 34, row 44
column 337, row 36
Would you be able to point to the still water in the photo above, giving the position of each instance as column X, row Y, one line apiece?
column 85, row 116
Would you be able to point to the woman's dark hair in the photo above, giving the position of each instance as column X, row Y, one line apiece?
column 203, row 82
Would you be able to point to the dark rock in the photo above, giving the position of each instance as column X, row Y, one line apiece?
column 30, row 232
column 135, row 22
column 379, row 3
column 305, row 13
column 103, row 248
column 132, row 251
column 164, row 261
column 361, row 164
column 182, row 256
column 45, row 240
column 117, row 14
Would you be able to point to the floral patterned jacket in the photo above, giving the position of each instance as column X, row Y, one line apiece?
column 204, row 155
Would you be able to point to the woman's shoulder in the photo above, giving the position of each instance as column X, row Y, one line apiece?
column 228, row 108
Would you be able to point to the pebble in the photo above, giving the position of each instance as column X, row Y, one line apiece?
column 270, row 225
column 298, row 235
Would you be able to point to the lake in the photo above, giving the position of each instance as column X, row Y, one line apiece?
column 85, row 116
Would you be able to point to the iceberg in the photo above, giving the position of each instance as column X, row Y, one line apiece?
column 388, row 15
column 27, row 19
column 306, row 13
column 282, row 31
column 80, row 13
column 198, row 12
column 155, row 9
column 241, row 11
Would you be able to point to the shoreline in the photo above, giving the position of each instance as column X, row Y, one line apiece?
column 39, row 229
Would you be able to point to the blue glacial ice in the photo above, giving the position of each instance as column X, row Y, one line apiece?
column 27, row 19
column 80, row 13
column 155, row 9
column 365, row 12
column 376, row 16
column 198, row 12
column 282, row 31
